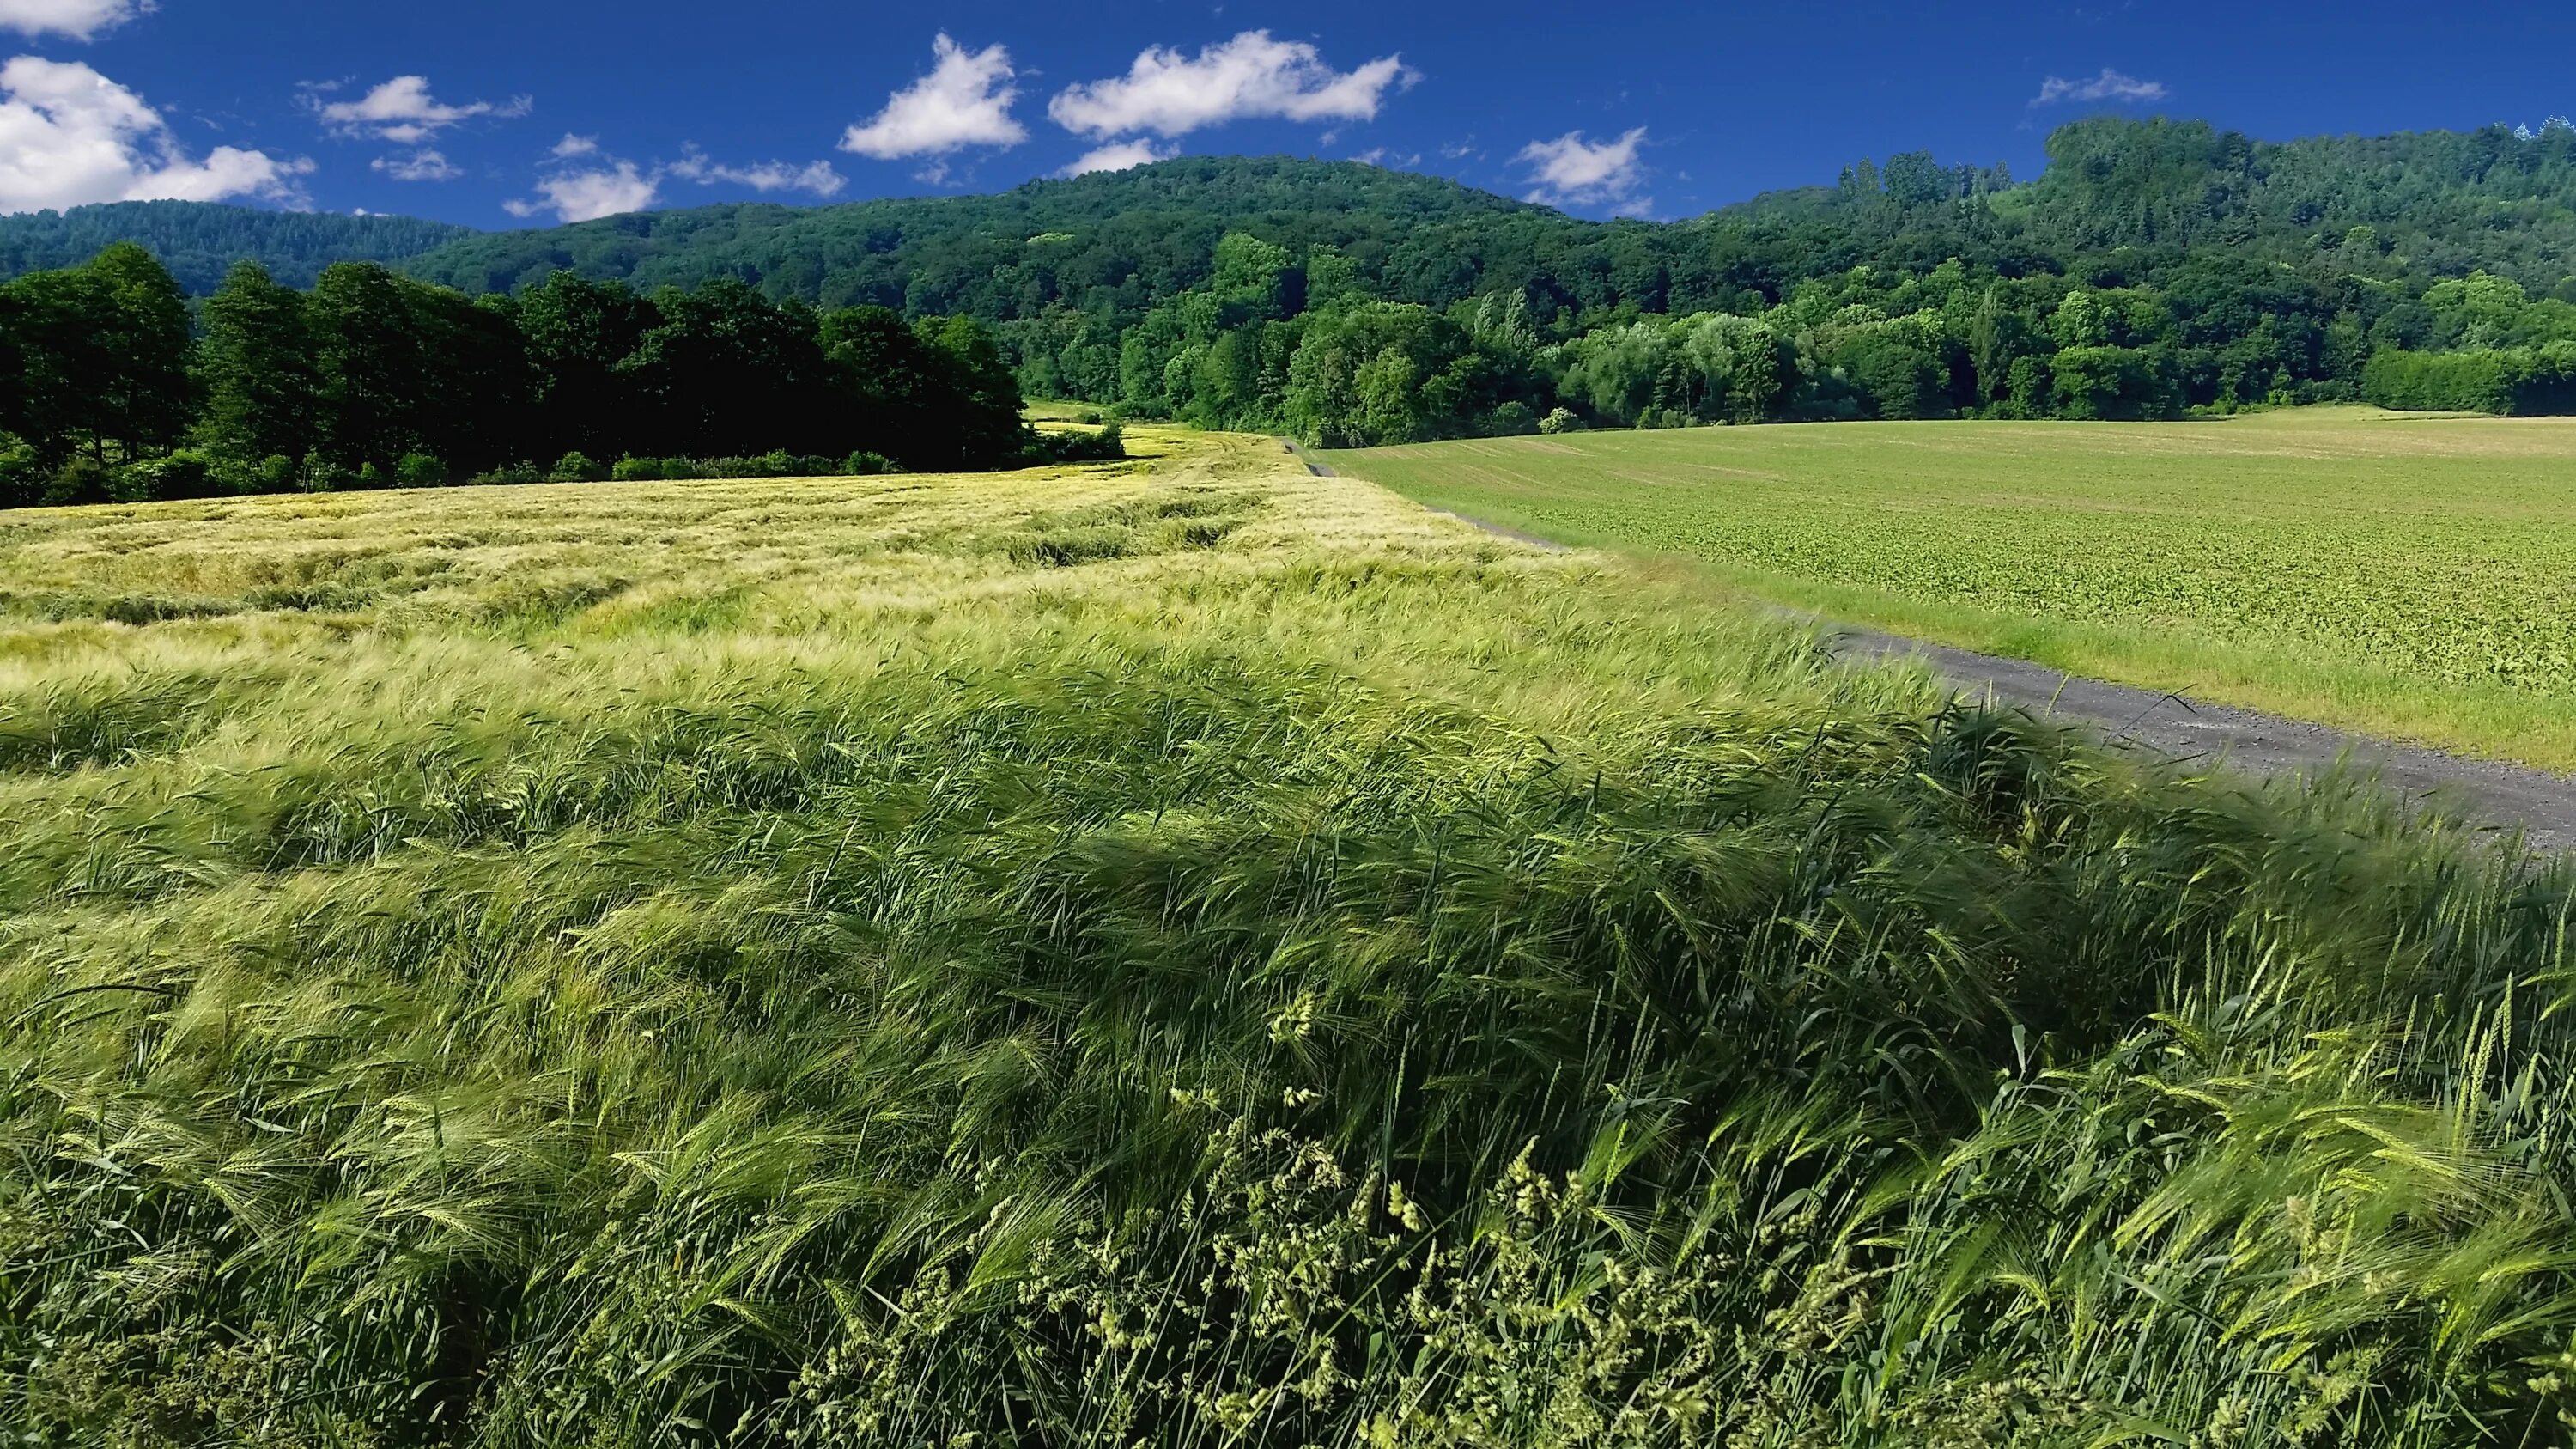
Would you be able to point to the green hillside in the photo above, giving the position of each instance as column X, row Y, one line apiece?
column 198, row 241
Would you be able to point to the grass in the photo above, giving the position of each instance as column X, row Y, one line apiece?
column 2399, row 576
column 1181, row 952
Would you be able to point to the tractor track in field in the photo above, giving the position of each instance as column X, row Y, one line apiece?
column 2540, row 805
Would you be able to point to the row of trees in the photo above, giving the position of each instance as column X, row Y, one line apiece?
column 1282, row 342
column 110, row 384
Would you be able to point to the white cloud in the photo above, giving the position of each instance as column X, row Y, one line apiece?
column 1387, row 160
column 965, row 101
column 1570, row 171
column 404, row 112
column 1249, row 77
column 70, row 136
column 818, row 178
column 588, row 195
column 605, row 185
column 421, row 165
column 79, row 19
column 1120, row 156
column 2110, row 85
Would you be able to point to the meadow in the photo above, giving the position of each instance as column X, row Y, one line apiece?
column 2401, row 576
column 1182, row 952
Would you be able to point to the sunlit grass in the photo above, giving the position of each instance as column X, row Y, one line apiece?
column 2401, row 576
column 1183, row 952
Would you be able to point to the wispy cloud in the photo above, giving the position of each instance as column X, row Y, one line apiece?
column 1570, row 171
column 1120, row 156
column 421, row 165
column 581, row 182
column 404, row 112
column 817, row 177
column 2110, row 85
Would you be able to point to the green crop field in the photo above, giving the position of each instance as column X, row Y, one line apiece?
column 2403, row 576
column 1186, row 953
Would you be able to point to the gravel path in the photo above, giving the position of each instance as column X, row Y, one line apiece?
column 2505, row 797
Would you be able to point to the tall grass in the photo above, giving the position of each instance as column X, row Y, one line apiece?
column 1189, row 954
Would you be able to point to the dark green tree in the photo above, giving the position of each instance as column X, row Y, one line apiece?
column 256, row 366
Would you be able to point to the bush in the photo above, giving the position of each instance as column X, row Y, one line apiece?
column 1107, row 445
column 513, row 474
column 576, row 467
column 1560, row 420
column 868, row 465
column 81, row 479
column 186, row 473
column 420, row 470
column 2508, row 382
column 369, row 477
column 272, row 474
column 321, row 475
column 22, row 472
column 2113, row 384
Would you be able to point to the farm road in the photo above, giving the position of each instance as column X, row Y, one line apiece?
column 2506, row 797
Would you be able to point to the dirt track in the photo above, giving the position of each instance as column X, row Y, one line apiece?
column 2504, row 797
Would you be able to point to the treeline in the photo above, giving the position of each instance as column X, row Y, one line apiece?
column 1281, row 343
column 2170, row 319
column 199, row 242
column 112, row 388
column 2157, row 268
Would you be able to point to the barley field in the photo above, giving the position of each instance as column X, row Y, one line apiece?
column 1186, row 953
column 2402, row 576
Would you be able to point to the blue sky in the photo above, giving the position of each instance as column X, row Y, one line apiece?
column 509, row 114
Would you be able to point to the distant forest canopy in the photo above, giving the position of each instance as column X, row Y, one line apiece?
column 110, row 389
column 2155, row 268
column 199, row 242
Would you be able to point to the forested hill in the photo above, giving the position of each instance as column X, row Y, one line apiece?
column 197, row 241
column 2156, row 268
column 1119, row 239
column 2438, row 204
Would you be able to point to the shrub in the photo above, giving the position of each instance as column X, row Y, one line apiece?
column 631, row 469
column 272, row 474
column 2509, row 382
column 321, row 475
column 1560, row 420
column 186, row 473
column 1107, row 445
column 867, row 465
column 513, row 474
column 576, row 467
column 81, row 479
column 369, row 477
column 22, row 472
column 420, row 470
